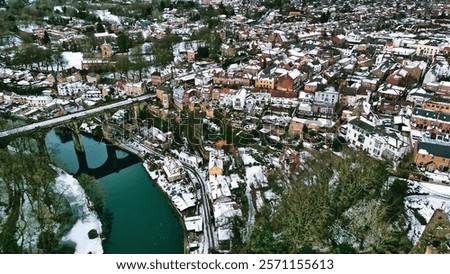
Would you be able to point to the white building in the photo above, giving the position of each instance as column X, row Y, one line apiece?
column 192, row 160
column 39, row 101
column 239, row 100
column 173, row 169
column 156, row 137
column 378, row 142
column 225, row 210
column 178, row 96
column 329, row 95
column 219, row 186
column 427, row 50
column 194, row 223
column 71, row 89
column 134, row 89
column 92, row 94
column 418, row 96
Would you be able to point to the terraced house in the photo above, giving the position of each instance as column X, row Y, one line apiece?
column 433, row 156
column 434, row 121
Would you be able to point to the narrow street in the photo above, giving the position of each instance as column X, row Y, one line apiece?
column 206, row 209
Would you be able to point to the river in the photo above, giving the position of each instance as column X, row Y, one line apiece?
column 143, row 220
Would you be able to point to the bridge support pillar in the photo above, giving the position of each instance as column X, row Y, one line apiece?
column 4, row 142
column 40, row 140
column 76, row 137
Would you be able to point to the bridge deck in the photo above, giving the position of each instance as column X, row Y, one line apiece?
column 65, row 118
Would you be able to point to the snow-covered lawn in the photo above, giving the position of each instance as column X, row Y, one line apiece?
column 67, row 185
column 107, row 16
column 254, row 175
column 29, row 28
column 259, row 200
column 430, row 198
column 248, row 159
column 73, row 59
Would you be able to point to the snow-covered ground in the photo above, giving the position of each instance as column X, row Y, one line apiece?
column 10, row 41
column 275, row 161
column 4, row 197
column 442, row 177
column 251, row 209
column 29, row 28
column 248, row 159
column 67, row 185
column 430, row 197
column 254, row 175
column 73, row 59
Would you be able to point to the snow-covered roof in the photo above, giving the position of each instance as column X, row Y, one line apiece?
column 194, row 223
column 428, row 197
column 224, row 234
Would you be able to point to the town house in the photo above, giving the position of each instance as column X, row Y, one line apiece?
column 433, row 156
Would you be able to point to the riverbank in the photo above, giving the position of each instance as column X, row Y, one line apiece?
column 87, row 219
column 172, row 205
column 141, row 155
column 143, row 221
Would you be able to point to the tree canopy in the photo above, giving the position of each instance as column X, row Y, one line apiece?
column 335, row 205
column 28, row 181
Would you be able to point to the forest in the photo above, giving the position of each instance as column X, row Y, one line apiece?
column 35, row 215
column 334, row 205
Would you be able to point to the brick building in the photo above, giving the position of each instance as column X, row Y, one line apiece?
column 432, row 156
column 437, row 106
column 265, row 82
column 431, row 120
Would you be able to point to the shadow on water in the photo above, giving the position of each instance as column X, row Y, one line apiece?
column 143, row 222
column 111, row 165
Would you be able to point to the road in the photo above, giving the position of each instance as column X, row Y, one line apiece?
column 263, row 17
column 205, row 204
column 206, row 208
column 62, row 119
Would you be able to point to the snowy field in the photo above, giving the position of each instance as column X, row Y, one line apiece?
column 255, row 176
column 248, row 159
column 73, row 59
